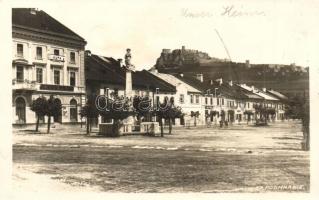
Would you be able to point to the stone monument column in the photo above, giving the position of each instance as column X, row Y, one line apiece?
column 128, row 78
column 128, row 84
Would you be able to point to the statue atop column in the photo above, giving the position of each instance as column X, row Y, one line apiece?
column 128, row 64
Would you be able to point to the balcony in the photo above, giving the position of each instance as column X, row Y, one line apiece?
column 62, row 88
column 57, row 87
column 23, row 85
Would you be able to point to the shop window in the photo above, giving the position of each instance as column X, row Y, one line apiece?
column 73, row 111
column 20, row 110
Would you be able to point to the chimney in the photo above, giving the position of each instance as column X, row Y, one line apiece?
column 230, row 83
column 211, row 82
column 153, row 70
column 253, row 88
column 87, row 53
column 181, row 75
column 33, row 11
column 264, row 89
column 200, row 77
column 120, row 61
column 220, row 81
column 247, row 64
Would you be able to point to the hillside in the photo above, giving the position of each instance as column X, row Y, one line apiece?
column 288, row 79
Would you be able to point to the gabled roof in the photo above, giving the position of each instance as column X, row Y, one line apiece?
column 171, row 79
column 266, row 96
column 278, row 95
column 231, row 91
column 98, row 71
column 259, row 92
column 225, row 89
column 193, row 82
column 41, row 21
column 107, row 70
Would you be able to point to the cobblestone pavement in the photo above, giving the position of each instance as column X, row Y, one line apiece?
column 240, row 158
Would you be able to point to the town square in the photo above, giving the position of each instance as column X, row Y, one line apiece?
column 189, row 101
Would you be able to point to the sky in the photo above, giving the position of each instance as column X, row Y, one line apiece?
column 274, row 32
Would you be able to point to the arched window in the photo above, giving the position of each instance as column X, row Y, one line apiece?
column 73, row 111
column 20, row 110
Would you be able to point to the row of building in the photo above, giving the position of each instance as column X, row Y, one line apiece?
column 50, row 59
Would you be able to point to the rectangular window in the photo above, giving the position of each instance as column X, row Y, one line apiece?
column 181, row 98
column 39, row 53
column 57, row 77
column 39, row 75
column 206, row 100
column 197, row 98
column 223, row 102
column 211, row 101
column 192, row 98
column 72, row 57
column 20, row 50
column 217, row 101
column 56, row 52
column 20, row 74
column 72, row 78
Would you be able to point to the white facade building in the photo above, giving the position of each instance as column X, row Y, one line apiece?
column 188, row 98
column 47, row 59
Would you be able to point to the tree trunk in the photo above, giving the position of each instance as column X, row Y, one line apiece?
column 195, row 123
column 91, row 124
column 87, row 126
column 37, row 125
column 49, row 123
column 170, row 126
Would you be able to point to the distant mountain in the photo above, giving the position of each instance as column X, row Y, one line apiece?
column 288, row 79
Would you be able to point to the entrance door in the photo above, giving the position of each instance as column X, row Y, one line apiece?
column 20, row 110
column 59, row 117
column 73, row 111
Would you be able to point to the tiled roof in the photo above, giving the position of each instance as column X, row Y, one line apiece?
column 41, row 21
column 232, row 91
column 108, row 71
column 97, row 71
column 193, row 82
column 259, row 92
column 175, row 81
column 278, row 95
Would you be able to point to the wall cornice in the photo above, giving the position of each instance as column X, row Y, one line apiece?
column 42, row 36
